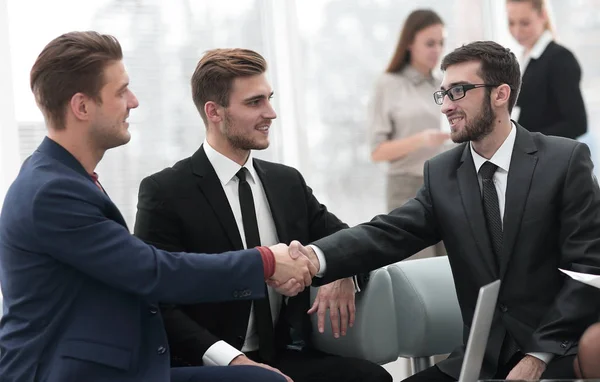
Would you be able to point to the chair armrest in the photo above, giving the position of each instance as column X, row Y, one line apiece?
column 374, row 334
column 427, row 311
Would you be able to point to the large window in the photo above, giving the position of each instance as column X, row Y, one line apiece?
column 324, row 57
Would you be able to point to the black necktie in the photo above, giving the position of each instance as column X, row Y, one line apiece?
column 262, row 308
column 491, row 208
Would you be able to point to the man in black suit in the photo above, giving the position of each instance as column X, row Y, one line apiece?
column 221, row 199
column 509, row 205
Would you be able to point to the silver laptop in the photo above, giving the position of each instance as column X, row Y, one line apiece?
column 480, row 331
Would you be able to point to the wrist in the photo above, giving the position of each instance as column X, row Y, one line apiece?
column 313, row 258
column 241, row 360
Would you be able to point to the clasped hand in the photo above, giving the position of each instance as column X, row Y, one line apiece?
column 294, row 269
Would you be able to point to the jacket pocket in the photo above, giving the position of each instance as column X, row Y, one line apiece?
column 104, row 354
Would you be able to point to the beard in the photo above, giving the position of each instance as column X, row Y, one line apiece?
column 482, row 126
column 106, row 136
column 237, row 139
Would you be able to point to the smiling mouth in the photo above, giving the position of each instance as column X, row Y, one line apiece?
column 264, row 129
column 454, row 120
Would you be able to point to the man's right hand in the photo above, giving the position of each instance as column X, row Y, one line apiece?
column 290, row 263
column 433, row 137
column 243, row 360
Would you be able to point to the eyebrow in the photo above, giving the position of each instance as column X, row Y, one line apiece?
column 258, row 97
column 455, row 83
column 123, row 87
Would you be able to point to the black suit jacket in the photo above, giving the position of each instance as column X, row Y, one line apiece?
column 551, row 220
column 550, row 99
column 185, row 207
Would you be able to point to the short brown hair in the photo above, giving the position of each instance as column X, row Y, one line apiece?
column 213, row 78
column 498, row 65
column 71, row 63
column 415, row 22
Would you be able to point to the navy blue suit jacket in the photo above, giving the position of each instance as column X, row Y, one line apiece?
column 81, row 293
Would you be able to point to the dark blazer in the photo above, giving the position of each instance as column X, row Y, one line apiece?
column 550, row 99
column 80, row 292
column 185, row 208
column 551, row 220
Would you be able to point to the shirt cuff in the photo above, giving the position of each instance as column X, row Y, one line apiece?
column 544, row 357
column 220, row 354
column 321, row 257
column 268, row 259
column 356, row 287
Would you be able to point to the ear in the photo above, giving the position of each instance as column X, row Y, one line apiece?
column 501, row 95
column 213, row 111
column 80, row 106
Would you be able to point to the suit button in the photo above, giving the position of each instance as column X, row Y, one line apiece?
column 503, row 308
column 161, row 350
column 564, row 344
column 153, row 309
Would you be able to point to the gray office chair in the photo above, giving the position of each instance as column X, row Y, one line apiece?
column 427, row 311
column 374, row 336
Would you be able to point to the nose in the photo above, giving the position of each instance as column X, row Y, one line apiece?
column 270, row 112
column 447, row 105
column 133, row 102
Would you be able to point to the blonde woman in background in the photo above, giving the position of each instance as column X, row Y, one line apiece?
column 404, row 121
column 550, row 101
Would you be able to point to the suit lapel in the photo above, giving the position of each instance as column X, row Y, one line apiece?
column 470, row 193
column 275, row 198
column 520, row 174
column 210, row 186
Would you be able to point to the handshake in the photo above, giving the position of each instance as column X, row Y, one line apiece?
column 295, row 266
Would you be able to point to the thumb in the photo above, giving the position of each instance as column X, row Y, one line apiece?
column 294, row 249
column 314, row 307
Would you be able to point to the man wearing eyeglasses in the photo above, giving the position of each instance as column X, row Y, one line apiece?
column 509, row 205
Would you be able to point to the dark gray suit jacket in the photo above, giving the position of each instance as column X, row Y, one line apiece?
column 551, row 220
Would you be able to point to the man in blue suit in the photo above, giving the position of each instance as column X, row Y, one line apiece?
column 80, row 292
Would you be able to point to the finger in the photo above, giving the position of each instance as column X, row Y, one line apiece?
column 314, row 306
column 307, row 278
column 352, row 311
column 343, row 318
column 287, row 379
column 334, row 317
column 273, row 283
column 298, row 289
column 312, row 268
column 294, row 290
column 289, row 287
column 321, row 316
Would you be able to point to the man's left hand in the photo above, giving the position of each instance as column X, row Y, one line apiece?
column 528, row 369
column 338, row 297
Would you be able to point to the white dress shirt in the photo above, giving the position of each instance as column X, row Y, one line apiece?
column 221, row 353
column 502, row 159
column 538, row 48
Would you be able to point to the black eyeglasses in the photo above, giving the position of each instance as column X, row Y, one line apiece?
column 457, row 92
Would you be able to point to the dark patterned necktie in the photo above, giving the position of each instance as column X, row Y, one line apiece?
column 491, row 208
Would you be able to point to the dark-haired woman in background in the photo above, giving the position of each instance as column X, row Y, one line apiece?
column 550, row 101
column 404, row 121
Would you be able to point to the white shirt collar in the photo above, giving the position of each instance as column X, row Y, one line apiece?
column 502, row 156
column 225, row 167
column 540, row 45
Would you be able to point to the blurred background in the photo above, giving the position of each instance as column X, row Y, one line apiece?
column 324, row 58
